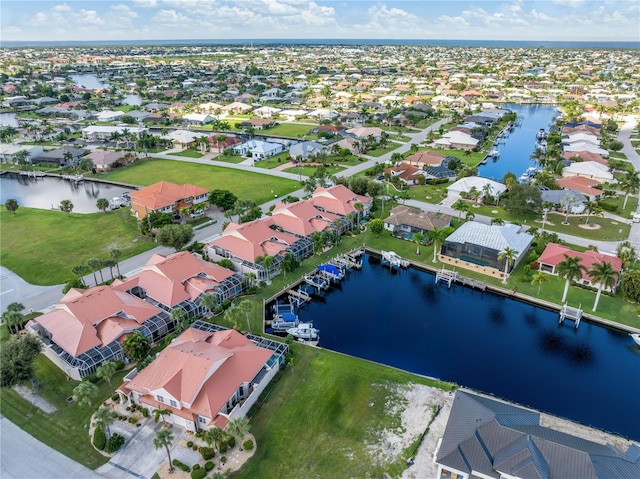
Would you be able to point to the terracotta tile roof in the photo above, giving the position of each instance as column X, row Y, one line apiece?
column 554, row 254
column 201, row 370
column 579, row 183
column 163, row 194
column 338, row 199
column 76, row 322
column 586, row 156
column 425, row 158
column 301, row 218
column 253, row 239
column 174, row 278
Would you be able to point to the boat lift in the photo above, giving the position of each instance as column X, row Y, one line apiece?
column 447, row 276
column 392, row 259
column 574, row 314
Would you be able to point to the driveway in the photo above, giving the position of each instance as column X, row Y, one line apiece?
column 14, row 289
column 139, row 458
column 24, row 457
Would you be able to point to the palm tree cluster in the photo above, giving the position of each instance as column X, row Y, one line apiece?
column 601, row 273
column 95, row 265
column 13, row 317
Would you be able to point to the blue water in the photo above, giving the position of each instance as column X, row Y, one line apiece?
column 483, row 341
column 520, row 144
column 88, row 80
column 335, row 41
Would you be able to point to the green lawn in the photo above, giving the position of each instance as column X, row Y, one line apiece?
column 292, row 130
column 377, row 152
column 189, row 154
column 273, row 161
column 63, row 430
column 244, row 184
column 310, row 170
column 41, row 246
column 320, row 408
column 230, row 159
column 470, row 158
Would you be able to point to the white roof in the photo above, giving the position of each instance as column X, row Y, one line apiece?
column 466, row 183
column 182, row 136
column 495, row 237
column 201, row 117
column 588, row 168
column 460, row 137
column 586, row 146
column 109, row 114
column 110, row 129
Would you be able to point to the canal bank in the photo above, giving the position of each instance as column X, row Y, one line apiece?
column 492, row 341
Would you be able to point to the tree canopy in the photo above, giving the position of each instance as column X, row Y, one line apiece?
column 16, row 359
column 175, row 236
column 137, row 346
column 223, row 199
column 523, row 199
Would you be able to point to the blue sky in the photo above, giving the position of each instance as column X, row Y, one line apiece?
column 543, row 20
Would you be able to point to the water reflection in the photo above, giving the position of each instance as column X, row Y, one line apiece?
column 47, row 192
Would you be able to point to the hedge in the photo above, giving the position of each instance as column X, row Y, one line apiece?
column 181, row 465
column 208, row 465
column 99, row 439
column 198, row 474
column 207, row 452
column 115, row 442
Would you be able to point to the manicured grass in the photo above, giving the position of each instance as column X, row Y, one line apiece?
column 273, row 161
column 292, row 130
column 41, row 246
column 321, row 408
column 244, row 184
column 310, row 170
column 470, row 158
column 63, row 430
column 377, row 152
column 230, row 159
column 189, row 154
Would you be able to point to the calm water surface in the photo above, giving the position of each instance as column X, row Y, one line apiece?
column 88, row 80
column 483, row 341
column 8, row 119
column 48, row 192
column 516, row 152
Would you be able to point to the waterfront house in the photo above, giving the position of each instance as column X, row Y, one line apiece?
column 555, row 253
column 305, row 149
column 341, row 200
column 425, row 158
column 104, row 160
column 9, row 150
column 586, row 186
column 180, row 280
column 65, row 156
column 588, row 169
column 406, row 173
column 456, row 140
column 259, row 149
column 478, row 246
column 257, row 123
column 166, row 197
column 236, row 108
column 363, row 132
column 106, row 132
column 464, row 185
column 206, row 376
column 247, row 244
column 198, row 119
column 108, row 115
column 302, row 218
column 585, row 146
column 87, row 327
column 489, row 438
column 404, row 221
column 183, row 139
column 223, row 145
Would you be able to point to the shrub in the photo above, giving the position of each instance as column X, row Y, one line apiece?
column 119, row 365
column 247, row 445
column 194, row 447
column 132, row 420
column 189, row 443
column 115, row 442
column 115, row 398
column 223, row 459
column 231, row 441
column 207, row 453
column 181, row 465
column 195, row 466
column 223, row 447
column 99, row 439
column 208, row 465
column 198, row 474
column 145, row 412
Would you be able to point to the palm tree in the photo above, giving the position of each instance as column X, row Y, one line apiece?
column 164, row 438
column 115, row 253
column 604, row 274
column 84, row 392
column 94, row 264
column 102, row 204
column 214, row 437
column 209, row 302
column 79, row 270
column 460, row 206
column 109, row 263
column 239, row 428
column 179, row 317
column 318, row 241
column 538, row 279
column 220, row 139
column 160, row 414
column 474, row 194
column 569, row 269
column 437, row 236
column 509, row 255
column 568, row 202
column 66, row 206
column 267, row 263
column 13, row 320
column 629, row 184
column 358, row 207
column 106, row 370
column 246, row 307
column 418, row 238
column 231, row 316
column 105, row 417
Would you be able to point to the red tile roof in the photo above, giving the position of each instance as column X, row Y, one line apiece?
column 163, row 194
column 431, row 158
column 581, row 184
column 302, row 218
column 338, row 199
column 554, row 254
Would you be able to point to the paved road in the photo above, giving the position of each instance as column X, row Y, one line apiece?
column 624, row 135
column 24, row 457
column 14, row 289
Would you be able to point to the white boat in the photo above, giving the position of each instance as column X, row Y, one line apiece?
column 494, row 153
column 636, row 338
column 304, row 331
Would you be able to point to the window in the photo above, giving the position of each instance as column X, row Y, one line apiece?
column 173, row 403
column 202, row 420
column 160, row 398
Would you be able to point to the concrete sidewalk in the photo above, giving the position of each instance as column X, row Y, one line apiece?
column 24, row 457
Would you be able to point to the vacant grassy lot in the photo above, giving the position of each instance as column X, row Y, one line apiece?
column 292, row 130
column 244, row 184
column 310, row 170
column 320, row 408
column 63, row 430
column 189, row 154
column 41, row 246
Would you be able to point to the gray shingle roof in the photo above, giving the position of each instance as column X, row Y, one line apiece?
column 495, row 237
column 491, row 437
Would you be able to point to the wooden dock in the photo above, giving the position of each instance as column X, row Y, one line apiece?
column 450, row 277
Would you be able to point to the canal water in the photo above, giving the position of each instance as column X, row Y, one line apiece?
column 484, row 341
column 515, row 153
column 88, row 80
column 8, row 119
column 47, row 193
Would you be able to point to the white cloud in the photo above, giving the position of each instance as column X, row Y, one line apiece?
column 145, row 3
column 569, row 3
